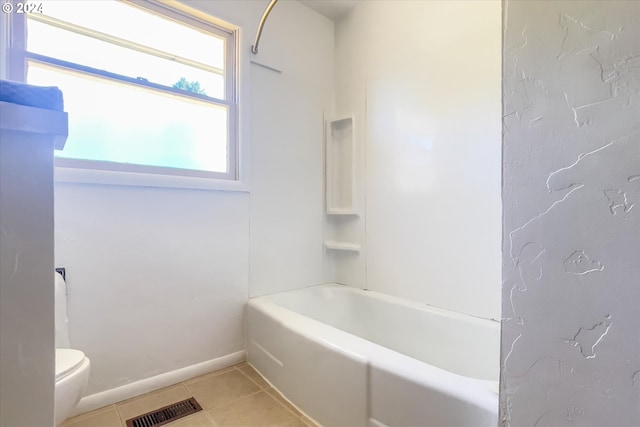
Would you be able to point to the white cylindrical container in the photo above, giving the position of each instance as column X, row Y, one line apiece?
column 62, row 323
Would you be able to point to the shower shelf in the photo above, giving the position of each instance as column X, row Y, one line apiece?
column 340, row 166
column 341, row 246
column 345, row 212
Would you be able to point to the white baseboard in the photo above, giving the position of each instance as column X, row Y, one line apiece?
column 127, row 391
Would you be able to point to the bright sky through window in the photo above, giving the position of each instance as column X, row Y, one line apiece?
column 120, row 68
column 130, row 23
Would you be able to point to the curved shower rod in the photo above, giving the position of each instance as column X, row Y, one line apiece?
column 267, row 11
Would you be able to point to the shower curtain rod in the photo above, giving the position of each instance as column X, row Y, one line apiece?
column 254, row 46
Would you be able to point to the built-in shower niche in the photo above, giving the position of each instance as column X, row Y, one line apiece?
column 342, row 211
column 340, row 157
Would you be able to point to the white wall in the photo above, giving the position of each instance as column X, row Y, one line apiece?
column 158, row 278
column 26, row 280
column 287, row 149
column 4, row 41
column 425, row 78
column 571, row 192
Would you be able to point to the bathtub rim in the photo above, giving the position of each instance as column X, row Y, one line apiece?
column 491, row 323
column 475, row 391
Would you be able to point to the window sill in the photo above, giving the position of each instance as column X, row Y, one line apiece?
column 131, row 179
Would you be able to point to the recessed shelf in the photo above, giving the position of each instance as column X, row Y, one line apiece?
column 341, row 246
column 340, row 170
column 338, row 212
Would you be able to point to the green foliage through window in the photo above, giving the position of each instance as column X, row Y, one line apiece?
column 184, row 84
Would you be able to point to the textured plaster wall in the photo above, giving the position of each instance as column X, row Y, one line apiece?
column 571, row 195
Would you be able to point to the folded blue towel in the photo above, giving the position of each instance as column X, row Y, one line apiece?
column 49, row 98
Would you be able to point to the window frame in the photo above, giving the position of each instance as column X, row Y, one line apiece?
column 92, row 171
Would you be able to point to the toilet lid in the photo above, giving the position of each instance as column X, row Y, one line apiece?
column 67, row 359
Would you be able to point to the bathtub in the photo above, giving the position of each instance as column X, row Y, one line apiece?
column 353, row 358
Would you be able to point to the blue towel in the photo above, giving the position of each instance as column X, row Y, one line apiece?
column 49, row 98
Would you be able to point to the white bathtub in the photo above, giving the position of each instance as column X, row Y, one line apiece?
column 353, row 358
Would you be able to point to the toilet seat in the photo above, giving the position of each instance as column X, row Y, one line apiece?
column 67, row 361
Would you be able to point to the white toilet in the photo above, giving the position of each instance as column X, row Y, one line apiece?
column 72, row 366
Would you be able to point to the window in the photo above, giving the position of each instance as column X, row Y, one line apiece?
column 148, row 88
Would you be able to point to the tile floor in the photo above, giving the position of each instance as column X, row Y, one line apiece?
column 233, row 397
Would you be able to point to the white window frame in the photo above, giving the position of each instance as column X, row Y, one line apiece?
column 103, row 172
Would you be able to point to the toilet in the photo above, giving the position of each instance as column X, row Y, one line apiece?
column 72, row 366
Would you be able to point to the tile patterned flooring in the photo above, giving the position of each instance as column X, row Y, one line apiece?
column 233, row 397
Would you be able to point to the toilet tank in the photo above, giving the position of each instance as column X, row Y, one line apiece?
column 62, row 323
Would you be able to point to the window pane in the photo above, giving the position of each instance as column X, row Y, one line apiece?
column 68, row 46
column 115, row 122
column 137, row 25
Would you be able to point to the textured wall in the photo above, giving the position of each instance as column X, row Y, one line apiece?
column 571, row 194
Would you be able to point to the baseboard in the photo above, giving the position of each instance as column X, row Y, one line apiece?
column 127, row 391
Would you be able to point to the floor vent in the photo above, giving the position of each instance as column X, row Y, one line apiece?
column 166, row 415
